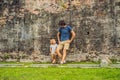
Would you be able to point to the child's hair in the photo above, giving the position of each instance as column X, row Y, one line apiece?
column 52, row 40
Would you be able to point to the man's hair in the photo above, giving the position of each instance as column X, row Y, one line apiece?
column 62, row 23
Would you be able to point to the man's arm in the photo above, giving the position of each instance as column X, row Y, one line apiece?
column 58, row 37
column 73, row 35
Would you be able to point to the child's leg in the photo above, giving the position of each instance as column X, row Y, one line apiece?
column 57, row 58
column 54, row 58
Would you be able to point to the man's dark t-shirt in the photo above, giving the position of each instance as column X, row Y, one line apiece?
column 65, row 33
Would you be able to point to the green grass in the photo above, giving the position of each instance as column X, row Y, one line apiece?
column 59, row 74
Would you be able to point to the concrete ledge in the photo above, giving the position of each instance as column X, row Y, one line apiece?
column 115, row 65
column 62, row 65
column 75, row 65
column 11, row 65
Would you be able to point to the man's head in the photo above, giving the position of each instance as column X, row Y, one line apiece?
column 62, row 23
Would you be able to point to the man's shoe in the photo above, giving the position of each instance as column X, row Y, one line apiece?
column 64, row 61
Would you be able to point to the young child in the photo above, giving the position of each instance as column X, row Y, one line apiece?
column 53, row 48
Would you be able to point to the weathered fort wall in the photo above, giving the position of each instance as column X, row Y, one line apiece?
column 26, row 26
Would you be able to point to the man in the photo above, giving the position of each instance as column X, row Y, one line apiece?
column 65, row 37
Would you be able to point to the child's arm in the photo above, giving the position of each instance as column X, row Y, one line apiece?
column 50, row 49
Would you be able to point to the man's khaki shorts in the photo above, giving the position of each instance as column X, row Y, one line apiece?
column 64, row 45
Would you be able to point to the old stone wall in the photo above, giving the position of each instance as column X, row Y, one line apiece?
column 27, row 26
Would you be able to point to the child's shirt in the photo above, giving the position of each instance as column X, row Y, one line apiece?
column 53, row 48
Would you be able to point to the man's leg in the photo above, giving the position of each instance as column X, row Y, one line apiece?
column 58, row 52
column 60, row 46
column 66, row 47
column 64, row 55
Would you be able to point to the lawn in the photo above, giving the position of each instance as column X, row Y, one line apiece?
column 53, row 73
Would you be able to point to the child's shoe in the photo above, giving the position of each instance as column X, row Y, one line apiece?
column 61, row 62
